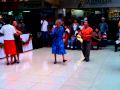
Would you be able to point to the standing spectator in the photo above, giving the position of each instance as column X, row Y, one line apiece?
column 81, row 25
column 49, row 36
column 18, row 41
column 9, row 41
column 44, row 30
column 75, row 26
column 58, row 43
column 117, row 42
column 103, row 26
column 86, row 34
column 66, row 35
column 22, row 26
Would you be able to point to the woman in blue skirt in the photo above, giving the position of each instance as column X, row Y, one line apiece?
column 58, row 43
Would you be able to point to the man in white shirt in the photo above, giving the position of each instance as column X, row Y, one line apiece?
column 9, row 43
column 44, row 30
column 81, row 25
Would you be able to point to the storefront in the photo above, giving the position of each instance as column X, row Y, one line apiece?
column 114, row 14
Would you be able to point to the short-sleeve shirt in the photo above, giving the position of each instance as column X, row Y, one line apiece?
column 44, row 26
column 8, row 31
column 85, row 32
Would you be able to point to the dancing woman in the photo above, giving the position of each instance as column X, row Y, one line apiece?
column 18, row 41
column 58, row 43
column 9, row 41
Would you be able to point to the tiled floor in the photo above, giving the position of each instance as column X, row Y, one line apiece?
column 37, row 71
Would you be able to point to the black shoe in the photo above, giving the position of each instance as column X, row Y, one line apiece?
column 7, row 63
column 86, row 60
column 64, row 61
column 11, row 63
column 55, row 62
column 17, row 62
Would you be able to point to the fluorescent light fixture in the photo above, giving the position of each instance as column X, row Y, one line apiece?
column 26, row 11
column 10, row 13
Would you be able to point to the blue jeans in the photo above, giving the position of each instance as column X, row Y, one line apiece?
column 71, row 42
column 44, row 38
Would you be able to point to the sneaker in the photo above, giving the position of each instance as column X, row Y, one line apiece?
column 68, row 46
column 71, row 47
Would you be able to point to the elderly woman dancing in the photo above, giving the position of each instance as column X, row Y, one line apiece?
column 58, row 43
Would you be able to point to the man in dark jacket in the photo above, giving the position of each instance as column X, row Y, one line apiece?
column 117, row 42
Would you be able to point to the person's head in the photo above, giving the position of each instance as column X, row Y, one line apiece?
column 118, row 21
column 81, row 23
column 75, row 21
column 86, row 24
column 21, row 21
column 14, row 23
column 96, row 29
column 43, row 18
column 58, row 23
column 1, row 18
column 103, row 19
column 62, row 22
column 67, row 26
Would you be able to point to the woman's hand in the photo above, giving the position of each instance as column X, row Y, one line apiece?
column 18, row 32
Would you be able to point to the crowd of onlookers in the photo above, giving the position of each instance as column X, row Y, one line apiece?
column 72, row 28
column 12, row 29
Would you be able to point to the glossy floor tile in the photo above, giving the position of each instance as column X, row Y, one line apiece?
column 37, row 71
